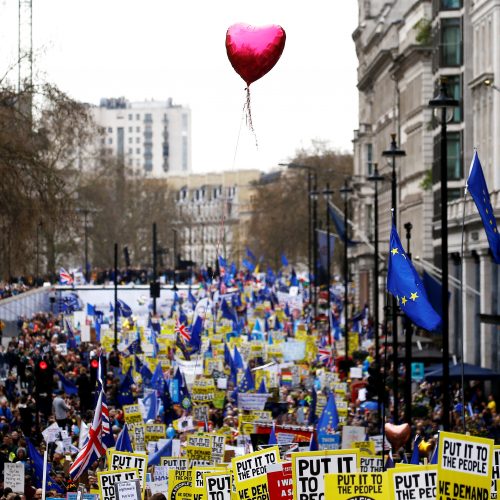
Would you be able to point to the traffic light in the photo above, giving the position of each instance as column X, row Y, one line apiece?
column 94, row 368
column 44, row 376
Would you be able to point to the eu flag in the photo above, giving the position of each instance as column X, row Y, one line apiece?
column 476, row 184
column 404, row 283
column 329, row 419
column 247, row 383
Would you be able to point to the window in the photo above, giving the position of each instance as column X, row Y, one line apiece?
column 454, row 87
column 130, row 151
column 453, row 148
column 130, row 116
column 451, row 42
column 138, row 129
column 148, row 117
column 138, row 151
column 131, row 129
column 138, row 140
column 451, row 4
column 369, row 159
column 137, row 116
column 110, row 130
column 110, row 140
column 130, row 140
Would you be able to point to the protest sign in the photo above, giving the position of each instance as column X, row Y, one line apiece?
column 250, row 473
column 161, row 473
column 250, row 401
column 412, row 483
column 52, row 433
column 153, row 432
column 309, row 469
column 158, row 487
column 179, row 485
column 125, row 460
column 356, row 486
column 464, row 467
column 175, row 463
column 351, row 434
column 327, row 441
column 128, row 490
column 203, row 390
column 218, row 448
column 132, row 414
column 197, row 453
column 107, row 480
column 377, row 439
column 368, row 463
column 202, row 440
column 139, row 433
column 495, row 472
column 13, row 477
column 198, row 480
column 367, row 447
column 200, row 413
column 279, row 481
column 218, row 486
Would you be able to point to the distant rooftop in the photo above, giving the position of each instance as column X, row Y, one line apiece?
column 123, row 103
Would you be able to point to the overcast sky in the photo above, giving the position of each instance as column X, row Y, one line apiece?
column 159, row 49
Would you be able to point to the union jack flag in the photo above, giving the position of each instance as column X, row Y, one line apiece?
column 65, row 278
column 183, row 331
column 96, row 446
column 325, row 355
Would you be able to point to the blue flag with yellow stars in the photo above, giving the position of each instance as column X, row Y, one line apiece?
column 329, row 419
column 405, row 284
column 247, row 383
column 476, row 184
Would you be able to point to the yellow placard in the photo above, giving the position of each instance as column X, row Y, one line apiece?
column 107, row 479
column 154, row 432
column 361, row 485
column 124, row 460
column 250, row 473
column 175, row 463
column 218, row 486
column 495, row 472
column 132, row 414
column 198, row 454
column 464, row 467
column 415, row 482
column 198, row 484
column 367, row 447
column 179, row 485
column 370, row 463
column 313, row 465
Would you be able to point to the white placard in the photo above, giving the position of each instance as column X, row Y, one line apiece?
column 128, row 490
column 14, row 477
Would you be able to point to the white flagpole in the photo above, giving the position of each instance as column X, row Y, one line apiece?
column 44, row 479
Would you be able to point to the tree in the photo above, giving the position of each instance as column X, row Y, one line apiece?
column 280, row 220
column 44, row 135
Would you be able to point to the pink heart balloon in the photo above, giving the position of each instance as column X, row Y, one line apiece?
column 253, row 51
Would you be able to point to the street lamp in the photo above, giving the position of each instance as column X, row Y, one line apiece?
column 443, row 106
column 345, row 191
column 394, row 152
column 313, row 195
column 312, row 180
column 376, row 178
column 328, row 193
column 408, row 332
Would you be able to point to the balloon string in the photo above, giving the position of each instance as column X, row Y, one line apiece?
column 248, row 109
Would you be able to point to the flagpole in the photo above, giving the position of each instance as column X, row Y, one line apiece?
column 115, row 345
column 44, row 478
column 327, row 194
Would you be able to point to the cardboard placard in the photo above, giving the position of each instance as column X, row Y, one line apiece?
column 119, row 460
column 179, row 485
column 309, row 469
column 128, row 490
column 107, row 480
column 413, row 482
column 279, row 481
column 361, row 485
column 13, row 477
column 218, row 486
column 464, row 467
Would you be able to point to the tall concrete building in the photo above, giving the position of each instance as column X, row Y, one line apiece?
column 153, row 137
column 404, row 48
column 214, row 210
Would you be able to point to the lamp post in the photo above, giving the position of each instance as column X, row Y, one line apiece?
column 443, row 104
column 394, row 152
column 154, row 283
column 376, row 178
column 408, row 332
column 345, row 191
column 312, row 181
column 328, row 193
column 314, row 197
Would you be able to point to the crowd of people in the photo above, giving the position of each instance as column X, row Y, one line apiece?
column 29, row 403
